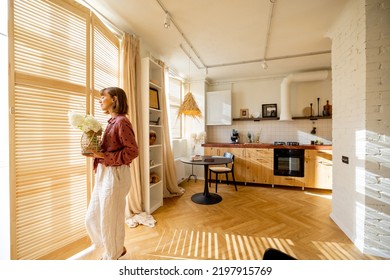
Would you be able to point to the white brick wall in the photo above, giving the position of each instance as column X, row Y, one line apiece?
column 348, row 71
column 377, row 222
column 361, row 129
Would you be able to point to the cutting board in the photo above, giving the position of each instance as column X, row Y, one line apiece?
column 306, row 112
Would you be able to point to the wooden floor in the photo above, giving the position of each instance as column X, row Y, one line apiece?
column 241, row 227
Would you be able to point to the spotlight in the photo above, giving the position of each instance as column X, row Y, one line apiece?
column 167, row 22
column 264, row 65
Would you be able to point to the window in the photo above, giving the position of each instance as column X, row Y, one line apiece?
column 105, row 64
column 175, row 99
column 55, row 62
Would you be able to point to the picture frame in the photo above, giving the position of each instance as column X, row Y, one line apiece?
column 154, row 101
column 244, row 113
column 156, row 122
column 270, row 110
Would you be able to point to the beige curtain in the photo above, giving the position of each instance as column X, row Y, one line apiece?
column 130, row 78
column 170, row 183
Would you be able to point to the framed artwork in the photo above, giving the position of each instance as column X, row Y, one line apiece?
column 270, row 111
column 154, row 102
column 244, row 113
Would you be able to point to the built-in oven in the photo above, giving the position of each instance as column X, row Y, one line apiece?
column 289, row 162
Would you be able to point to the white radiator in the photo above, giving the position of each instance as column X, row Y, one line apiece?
column 179, row 150
column 180, row 173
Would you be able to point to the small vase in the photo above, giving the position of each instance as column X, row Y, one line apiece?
column 327, row 109
column 152, row 137
column 90, row 142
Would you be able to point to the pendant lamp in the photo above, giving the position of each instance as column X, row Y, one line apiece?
column 189, row 106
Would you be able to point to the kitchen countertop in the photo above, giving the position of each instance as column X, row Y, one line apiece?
column 268, row 146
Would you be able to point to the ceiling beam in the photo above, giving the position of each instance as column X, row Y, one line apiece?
column 264, row 59
column 270, row 15
column 268, row 59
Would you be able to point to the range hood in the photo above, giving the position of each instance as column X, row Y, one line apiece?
column 285, row 113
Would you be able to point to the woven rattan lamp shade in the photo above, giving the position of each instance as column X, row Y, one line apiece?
column 189, row 107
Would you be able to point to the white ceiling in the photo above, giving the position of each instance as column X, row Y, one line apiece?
column 229, row 39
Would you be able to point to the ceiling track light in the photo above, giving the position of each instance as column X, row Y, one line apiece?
column 182, row 34
column 167, row 22
column 264, row 65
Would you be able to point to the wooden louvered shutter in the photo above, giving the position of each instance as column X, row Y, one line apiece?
column 49, row 185
column 105, row 63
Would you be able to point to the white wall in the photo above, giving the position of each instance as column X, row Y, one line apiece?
column 361, row 129
column 377, row 162
column 191, row 125
column 4, row 139
column 348, row 61
column 251, row 94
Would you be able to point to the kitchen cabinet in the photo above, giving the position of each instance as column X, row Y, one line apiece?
column 214, row 151
column 152, row 150
column 219, row 107
column 259, row 166
column 318, row 169
column 256, row 165
column 289, row 181
column 239, row 160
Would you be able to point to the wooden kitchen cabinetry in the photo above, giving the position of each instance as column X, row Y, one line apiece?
column 318, row 169
column 290, row 181
column 239, row 160
column 259, row 166
column 256, row 165
column 214, row 151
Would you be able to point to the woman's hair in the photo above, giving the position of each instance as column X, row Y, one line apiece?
column 120, row 105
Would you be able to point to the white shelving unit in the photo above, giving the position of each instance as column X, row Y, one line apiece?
column 152, row 78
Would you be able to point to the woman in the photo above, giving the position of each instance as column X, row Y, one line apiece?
column 105, row 219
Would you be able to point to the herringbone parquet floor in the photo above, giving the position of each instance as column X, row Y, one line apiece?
column 241, row 227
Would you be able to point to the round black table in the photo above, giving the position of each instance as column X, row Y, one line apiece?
column 206, row 197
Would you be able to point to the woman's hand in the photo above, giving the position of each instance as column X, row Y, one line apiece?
column 93, row 154
column 97, row 154
column 88, row 154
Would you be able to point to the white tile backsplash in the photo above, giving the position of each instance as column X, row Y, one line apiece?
column 273, row 130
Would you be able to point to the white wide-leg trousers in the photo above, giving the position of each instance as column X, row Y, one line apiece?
column 105, row 218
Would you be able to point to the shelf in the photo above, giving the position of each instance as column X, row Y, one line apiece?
column 294, row 118
column 154, row 166
column 155, row 110
column 155, row 185
column 155, row 125
column 312, row 118
column 152, row 77
column 255, row 119
column 155, row 146
column 154, row 85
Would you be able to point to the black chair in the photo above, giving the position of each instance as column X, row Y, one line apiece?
column 275, row 254
column 223, row 170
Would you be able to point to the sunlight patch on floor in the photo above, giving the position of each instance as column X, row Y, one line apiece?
column 195, row 244
column 335, row 251
column 323, row 195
